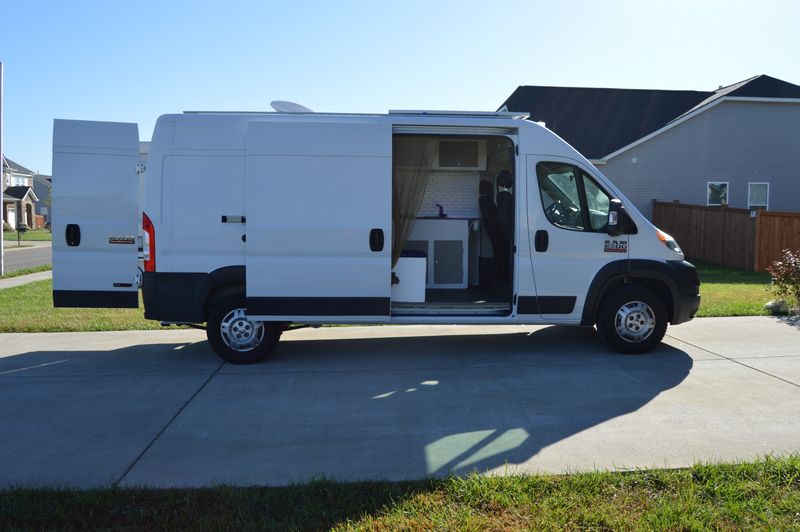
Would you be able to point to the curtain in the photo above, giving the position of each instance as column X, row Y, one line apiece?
column 412, row 160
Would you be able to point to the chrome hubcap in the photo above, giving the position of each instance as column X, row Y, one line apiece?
column 239, row 333
column 635, row 321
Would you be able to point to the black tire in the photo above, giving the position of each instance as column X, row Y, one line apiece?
column 632, row 320
column 258, row 339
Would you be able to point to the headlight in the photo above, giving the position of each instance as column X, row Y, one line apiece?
column 668, row 241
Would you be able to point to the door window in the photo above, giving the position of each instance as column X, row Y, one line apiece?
column 597, row 202
column 560, row 195
column 571, row 199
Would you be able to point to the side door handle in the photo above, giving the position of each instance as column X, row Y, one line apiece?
column 541, row 240
column 376, row 240
column 73, row 235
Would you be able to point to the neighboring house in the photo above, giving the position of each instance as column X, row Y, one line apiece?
column 18, row 195
column 42, row 185
column 736, row 146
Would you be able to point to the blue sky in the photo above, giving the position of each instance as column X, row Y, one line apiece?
column 133, row 61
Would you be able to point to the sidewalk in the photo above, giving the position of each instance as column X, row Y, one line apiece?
column 25, row 279
column 11, row 245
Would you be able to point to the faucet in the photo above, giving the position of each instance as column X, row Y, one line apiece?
column 441, row 211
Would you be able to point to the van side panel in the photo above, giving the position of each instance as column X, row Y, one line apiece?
column 315, row 194
column 198, row 190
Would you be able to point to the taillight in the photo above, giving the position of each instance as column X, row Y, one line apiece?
column 149, row 244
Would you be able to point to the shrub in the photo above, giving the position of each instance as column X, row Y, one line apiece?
column 785, row 274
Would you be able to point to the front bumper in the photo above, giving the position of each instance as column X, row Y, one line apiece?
column 686, row 297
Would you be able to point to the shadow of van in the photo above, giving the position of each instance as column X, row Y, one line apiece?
column 410, row 407
column 354, row 409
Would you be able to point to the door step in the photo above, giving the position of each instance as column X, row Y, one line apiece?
column 451, row 309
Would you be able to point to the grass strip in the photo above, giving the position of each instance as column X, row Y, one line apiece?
column 38, row 235
column 26, row 271
column 29, row 308
column 728, row 292
column 763, row 494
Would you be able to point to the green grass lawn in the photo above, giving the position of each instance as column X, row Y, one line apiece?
column 30, row 235
column 29, row 308
column 755, row 495
column 727, row 292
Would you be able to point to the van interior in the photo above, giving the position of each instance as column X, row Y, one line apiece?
column 453, row 225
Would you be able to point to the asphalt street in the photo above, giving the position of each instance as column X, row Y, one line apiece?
column 34, row 254
column 159, row 408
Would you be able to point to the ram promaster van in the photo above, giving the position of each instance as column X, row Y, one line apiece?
column 257, row 223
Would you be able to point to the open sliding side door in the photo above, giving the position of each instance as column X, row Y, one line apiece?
column 95, row 204
column 319, row 219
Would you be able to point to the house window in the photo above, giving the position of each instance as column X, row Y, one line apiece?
column 717, row 193
column 758, row 195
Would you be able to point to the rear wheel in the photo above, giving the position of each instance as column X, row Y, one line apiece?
column 632, row 320
column 235, row 337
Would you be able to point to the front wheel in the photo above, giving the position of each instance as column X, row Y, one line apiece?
column 236, row 338
column 632, row 320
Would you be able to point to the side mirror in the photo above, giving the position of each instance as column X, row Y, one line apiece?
column 614, row 225
column 619, row 221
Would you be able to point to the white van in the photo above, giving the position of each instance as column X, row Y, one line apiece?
column 255, row 223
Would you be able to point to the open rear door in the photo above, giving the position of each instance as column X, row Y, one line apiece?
column 95, row 214
column 319, row 214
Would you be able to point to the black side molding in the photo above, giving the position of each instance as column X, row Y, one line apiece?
column 546, row 304
column 95, row 299
column 182, row 296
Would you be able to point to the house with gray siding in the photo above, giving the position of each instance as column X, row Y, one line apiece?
column 737, row 146
column 42, row 185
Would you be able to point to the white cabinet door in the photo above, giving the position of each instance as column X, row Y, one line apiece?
column 95, row 214
column 318, row 205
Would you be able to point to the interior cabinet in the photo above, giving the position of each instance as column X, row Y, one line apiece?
column 445, row 242
column 448, row 263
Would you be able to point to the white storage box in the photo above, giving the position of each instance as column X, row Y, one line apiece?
column 411, row 272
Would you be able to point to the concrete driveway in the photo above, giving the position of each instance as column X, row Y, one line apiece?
column 159, row 409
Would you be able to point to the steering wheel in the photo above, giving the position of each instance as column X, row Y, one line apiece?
column 560, row 214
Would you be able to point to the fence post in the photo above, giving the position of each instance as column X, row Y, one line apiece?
column 757, row 260
column 724, row 256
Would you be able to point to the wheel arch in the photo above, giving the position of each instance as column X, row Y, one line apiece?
column 219, row 284
column 650, row 274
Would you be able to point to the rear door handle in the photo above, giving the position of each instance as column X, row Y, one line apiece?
column 376, row 240
column 541, row 240
column 73, row 235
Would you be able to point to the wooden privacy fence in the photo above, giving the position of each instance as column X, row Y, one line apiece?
column 729, row 237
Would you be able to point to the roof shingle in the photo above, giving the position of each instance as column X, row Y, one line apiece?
column 17, row 192
column 8, row 164
column 598, row 122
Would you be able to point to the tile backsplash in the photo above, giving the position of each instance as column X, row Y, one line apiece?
column 456, row 192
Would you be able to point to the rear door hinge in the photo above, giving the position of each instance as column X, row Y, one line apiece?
column 140, row 168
